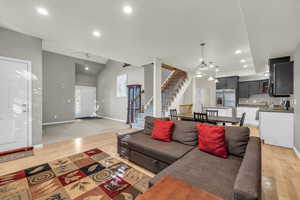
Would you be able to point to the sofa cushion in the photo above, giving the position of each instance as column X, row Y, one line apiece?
column 164, row 151
column 212, row 139
column 185, row 132
column 162, row 130
column 199, row 169
column 149, row 123
column 237, row 140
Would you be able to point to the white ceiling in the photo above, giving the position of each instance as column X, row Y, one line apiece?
column 273, row 27
column 170, row 29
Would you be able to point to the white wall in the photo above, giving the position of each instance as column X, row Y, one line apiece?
column 110, row 105
column 200, row 91
column 297, row 97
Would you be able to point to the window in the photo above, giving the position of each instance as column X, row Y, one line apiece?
column 122, row 85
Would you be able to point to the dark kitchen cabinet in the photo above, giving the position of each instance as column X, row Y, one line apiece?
column 222, row 84
column 254, row 87
column 228, row 83
column 243, row 90
column 283, row 79
column 249, row 88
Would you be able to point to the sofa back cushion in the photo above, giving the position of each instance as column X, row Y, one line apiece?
column 237, row 140
column 185, row 132
column 149, row 123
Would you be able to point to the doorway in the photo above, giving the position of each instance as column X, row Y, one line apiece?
column 85, row 102
column 15, row 104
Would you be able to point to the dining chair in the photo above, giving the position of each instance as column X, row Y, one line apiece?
column 212, row 113
column 201, row 117
column 243, row 119
column 173, row 114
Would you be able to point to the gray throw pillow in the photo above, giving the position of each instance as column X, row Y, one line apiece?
column 185, row 132
column 237, row 140
column 149, row 123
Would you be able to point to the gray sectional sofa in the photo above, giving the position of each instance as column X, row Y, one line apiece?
column 238, row 177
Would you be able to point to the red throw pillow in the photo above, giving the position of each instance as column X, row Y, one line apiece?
column 211, row 139
column 162, row 130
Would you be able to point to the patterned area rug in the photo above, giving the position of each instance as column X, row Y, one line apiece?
column 92, row 175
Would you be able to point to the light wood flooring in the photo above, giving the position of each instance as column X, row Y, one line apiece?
column 281, row 167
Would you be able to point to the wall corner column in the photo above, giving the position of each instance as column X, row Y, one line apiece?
column 157, row 105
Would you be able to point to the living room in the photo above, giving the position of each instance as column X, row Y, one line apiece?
column 149, row 99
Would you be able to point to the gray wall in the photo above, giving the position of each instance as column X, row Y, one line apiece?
column 59, row 87
column 297, row 98
column 86, row 79
column 110, row 105
column 20, row 46
column 59, row 81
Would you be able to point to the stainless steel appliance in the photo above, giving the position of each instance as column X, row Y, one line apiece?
column 226, row 97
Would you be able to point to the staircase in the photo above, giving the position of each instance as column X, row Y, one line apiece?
column 172, row 89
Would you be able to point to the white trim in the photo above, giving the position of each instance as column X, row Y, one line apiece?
column 29, row 96
column 119, row 120
column 62, row 122
column 37, row 146
column 296, row 152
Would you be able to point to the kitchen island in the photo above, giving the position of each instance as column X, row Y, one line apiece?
column 277, row 127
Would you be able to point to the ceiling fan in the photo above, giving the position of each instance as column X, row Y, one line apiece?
column 206, row 68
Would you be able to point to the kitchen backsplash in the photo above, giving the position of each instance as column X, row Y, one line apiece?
column 262, row 99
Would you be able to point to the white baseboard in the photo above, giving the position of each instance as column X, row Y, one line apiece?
column 36, row 146
column 63, row 122
column 119, row 120
column 297, row 152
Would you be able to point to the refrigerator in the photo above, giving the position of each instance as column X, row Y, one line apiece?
column 226, row 98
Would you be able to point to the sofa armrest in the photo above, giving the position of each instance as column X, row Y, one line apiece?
column 121, row 135
column 247, row 185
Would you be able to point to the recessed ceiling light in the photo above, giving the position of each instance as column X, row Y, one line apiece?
column 127, row 9
column 201, row 59
column 86, row 68
column 245, row 66
column 199, row 75
column 96, row 33
column 243, row 61
column 211, row 78
column 42, row 11
column 217, row 69
column 211, row 65
column 238, row 51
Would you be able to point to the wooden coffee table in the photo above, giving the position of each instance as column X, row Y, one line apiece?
column 172, row 188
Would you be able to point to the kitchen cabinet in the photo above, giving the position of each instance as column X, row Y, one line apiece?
column 254, row 87
column 277, row 128
column 243, row 90
column 281, row 77
column 222, row 84
column 248, row 88
column 228, row 82
column 284, row 81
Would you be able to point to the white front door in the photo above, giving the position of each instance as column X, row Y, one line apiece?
column 85, row 101
column 14, row 104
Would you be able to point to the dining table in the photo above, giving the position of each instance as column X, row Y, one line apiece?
column 214, row 119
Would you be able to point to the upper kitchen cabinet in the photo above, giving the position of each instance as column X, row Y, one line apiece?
column 249, row 88
column 281, row 77
column 228, row 82
column 244, row 90
column 254, row 87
